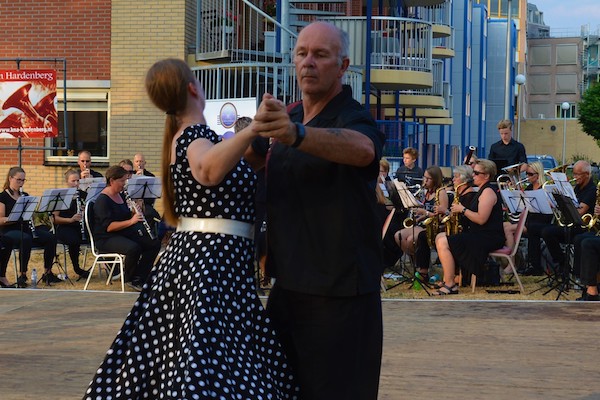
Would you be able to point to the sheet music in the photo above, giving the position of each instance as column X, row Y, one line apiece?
column 144, row 187
column 94, row 190
column 23, row 208
column 56, row 199
column 84, row 184
column 536, row 200
column 408, row 199
column 563, row 186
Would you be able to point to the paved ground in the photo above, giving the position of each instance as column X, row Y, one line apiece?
column 52, row 342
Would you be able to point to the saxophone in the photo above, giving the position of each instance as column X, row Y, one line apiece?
column 432, row 224
column 591, row 221
column 452, row 221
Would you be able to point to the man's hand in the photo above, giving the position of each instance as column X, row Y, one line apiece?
column 272, row 121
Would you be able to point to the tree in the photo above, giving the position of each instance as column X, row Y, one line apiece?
column 589, row 112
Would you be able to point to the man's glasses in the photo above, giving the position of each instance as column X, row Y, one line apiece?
column 477, row 173
column 531, row 173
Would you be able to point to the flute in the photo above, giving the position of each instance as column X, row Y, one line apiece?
column 135, row 208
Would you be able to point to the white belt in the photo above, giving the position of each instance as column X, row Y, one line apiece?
column 216, row 225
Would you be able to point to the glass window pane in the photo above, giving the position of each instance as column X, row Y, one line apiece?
column 87, row 131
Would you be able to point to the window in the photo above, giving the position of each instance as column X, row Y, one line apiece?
column 569, row 113
column 566, row 83
column 539, row 84
column 539, row 55
column 87, row 125
column 566, row 54
column 539, row 110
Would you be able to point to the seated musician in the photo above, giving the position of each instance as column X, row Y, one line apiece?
column 535, row 181
column 413, row 239
column 554, row 235
column 146, row 205
column 470, row 248
column 410, row 170
column 21, row 235
column 118, row 230
column 70, row 229
column 590, row 268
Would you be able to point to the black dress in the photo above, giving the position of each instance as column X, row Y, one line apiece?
column 198, row 329
column 471, row 248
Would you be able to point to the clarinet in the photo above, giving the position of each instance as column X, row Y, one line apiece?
column 135, row 208
column 31, row 224
column 81, row 209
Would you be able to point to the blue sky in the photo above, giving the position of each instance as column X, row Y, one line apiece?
column 570, row 14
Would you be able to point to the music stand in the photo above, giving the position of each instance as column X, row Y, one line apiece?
column 57, row 200
column 23, row 211
column 94, row 190
column 569, row 217
column 144, row 187
column 86, row 183
column 408, row 201
column 535, row 200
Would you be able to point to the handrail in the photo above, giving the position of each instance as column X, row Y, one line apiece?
column 269, row 18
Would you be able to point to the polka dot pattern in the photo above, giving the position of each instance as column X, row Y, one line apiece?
column 198, row 329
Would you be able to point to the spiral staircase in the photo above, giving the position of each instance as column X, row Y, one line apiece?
column 398, row 59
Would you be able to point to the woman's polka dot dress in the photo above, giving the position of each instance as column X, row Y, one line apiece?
column 198, row 329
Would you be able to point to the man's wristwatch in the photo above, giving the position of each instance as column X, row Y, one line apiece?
column 300, row 133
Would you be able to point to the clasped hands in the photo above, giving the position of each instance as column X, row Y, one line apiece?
column 272, row 121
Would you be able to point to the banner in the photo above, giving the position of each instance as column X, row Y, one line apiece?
column 221, row 115
column 28, row 103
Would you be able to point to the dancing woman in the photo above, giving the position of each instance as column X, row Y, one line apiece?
column 198, row 329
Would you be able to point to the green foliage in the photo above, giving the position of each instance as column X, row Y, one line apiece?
column 577, row 157
column 589, row 112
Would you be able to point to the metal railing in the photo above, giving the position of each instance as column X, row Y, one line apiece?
column 396, row 43
column 235, row 80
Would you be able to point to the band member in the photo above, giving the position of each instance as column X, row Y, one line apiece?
column 413, row 239
column 70, row 228
column 139, row 164
column 554, row 235
column 535, row 181
column 410, row 170
column 470, row 249
column 84, row 160
column 507, row 148
column 21, row 234
column 118, row 230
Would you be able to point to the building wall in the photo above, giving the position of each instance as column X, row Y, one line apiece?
column 479, row 93
column 545, row 136
column 545, row 103
column 114, row 41
column 73, row 29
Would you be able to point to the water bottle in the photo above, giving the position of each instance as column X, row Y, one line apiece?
column 434, row 278
column 34, row 278
column 417, row 281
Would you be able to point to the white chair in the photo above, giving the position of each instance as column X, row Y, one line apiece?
column 508, row 253
column 111, row 260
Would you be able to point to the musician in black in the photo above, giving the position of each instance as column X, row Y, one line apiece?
column 507, row 148
column 21, row 234
column 410, row 171
column 70, row 229
column 554, row 235
column 470, row 249
column 84, row 160
column 119, row 230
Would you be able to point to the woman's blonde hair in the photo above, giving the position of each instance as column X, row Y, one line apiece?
column 489, row 167
column 167, row 87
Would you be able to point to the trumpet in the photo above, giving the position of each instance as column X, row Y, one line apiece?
column 560, row 168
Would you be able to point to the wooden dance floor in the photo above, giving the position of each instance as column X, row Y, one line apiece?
column 52, row 342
